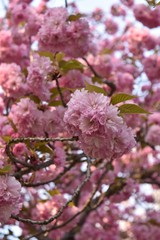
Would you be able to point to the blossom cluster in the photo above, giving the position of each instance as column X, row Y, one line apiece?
column 101, row 131
column 58, row 33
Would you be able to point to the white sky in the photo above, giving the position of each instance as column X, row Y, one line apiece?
column 84, row 5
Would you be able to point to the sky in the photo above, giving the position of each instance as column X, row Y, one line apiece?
column 84, row 5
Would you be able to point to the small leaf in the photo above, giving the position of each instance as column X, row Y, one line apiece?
column 151, row 3
column 154, row 222
column 72, row 17
column 25, row 72
column 71, row 204
column 106, row 51
column 55, row 103
column 70, row 65
column 44, row 148
column 55, row 92
column 6, row 169
column 132, row 109
column 96, row 79
column 12, row 124
column 54, row 192
column 34, row 99
column 22, row 24
column 46, row 54
column 121, row 97
column 59, row 56
column 6, row 138
column 93, row 88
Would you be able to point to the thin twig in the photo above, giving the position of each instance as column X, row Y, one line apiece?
column 88, row 207
column 60, row 93
column 28, row 165
column 51, row 180
column 109, row 83
column 4, row 5
column 66, row 3
column 59, row 213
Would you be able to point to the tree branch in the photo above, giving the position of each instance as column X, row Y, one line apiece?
column 59, row 213
column 109, row 83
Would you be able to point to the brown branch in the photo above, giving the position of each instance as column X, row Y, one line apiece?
column 60, row 93
column 51, row 180
column 109, row 83
column 59, row 213
column 66, row 3
column 92, row 204
column 88, row 207
column 31, row 167
column 19, row 174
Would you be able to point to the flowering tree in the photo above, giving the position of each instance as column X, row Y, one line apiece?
column 80, row 122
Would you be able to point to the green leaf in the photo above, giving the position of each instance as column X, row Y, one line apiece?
column 153, row 3
column 121, row 97
column 6, row 169
column 59, row 56
column 6, row 138
column 12, row 124
column 93, row 88
column 34, row 99
column 132, row 109
column 70, row 65
column 44, row 148
column 55, row 92
column 106, row 51
column 71, row 204
column 73, row 17
column 96, row 79
column 25, row 72
column 55, row 103
column 54, row 192
column 47, row 54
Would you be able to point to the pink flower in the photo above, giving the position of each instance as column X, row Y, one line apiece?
column 12, row 80
column 111, row 26
column 154, row 118
column 146, row 16
column 127, row 3
column 38, row 77
column 53, row 121
column 117, row 10
column 59, row 34
column 153, row 135
column 60, row 155
column 27, row 118
column 152, row 67
column 11, row 52
column 102, row 133
column 10, row 202
column 20, row 149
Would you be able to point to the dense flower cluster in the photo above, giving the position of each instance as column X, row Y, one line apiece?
column 27, row 118
column 102, row 133
column 10, row 201
column 38, row 77
column 10, row 51
column 146, row 15
column 12, row 80
column 57, row 33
